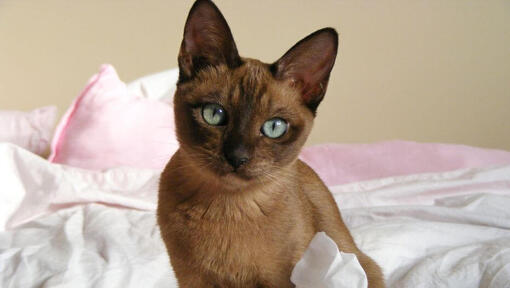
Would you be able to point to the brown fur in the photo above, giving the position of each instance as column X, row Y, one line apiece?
column 246, row 227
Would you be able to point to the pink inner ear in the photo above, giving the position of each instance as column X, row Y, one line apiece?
column 313, row 81
column 195, row 43
column 192, row 41
column 306, row 83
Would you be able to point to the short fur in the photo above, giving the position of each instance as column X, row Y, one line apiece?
column 246, row 226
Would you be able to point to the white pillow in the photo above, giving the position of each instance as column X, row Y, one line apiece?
column 30, row 130
column 158, row 86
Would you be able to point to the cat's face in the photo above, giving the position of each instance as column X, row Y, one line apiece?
column 240, row 122
column 240, row 119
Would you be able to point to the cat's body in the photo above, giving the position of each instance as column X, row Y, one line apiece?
column 249, row 238
column 236, row 207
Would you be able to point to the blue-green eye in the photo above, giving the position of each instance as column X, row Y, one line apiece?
column 214, row 114
column 274, row 127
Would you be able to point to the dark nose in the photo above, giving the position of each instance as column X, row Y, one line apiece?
column 237, row 157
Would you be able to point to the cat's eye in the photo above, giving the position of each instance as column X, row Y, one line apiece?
column 214, row 114
column 274, row 127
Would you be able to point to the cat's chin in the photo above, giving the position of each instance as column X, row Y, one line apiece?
column 236, row 179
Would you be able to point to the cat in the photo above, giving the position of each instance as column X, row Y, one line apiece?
column 236, row 208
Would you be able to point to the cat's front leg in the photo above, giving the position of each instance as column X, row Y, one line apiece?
column 188, row 276
column 276, row 280
column 261, row 285
column 286, row 285
column 192, row 280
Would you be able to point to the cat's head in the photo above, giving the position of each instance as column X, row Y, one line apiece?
column 240, row 119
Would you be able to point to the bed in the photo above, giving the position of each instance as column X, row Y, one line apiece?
column 431, row 215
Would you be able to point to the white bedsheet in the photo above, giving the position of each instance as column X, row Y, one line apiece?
column 66, row 227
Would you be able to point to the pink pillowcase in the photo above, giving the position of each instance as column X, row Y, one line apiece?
column 343, row 163
column 108, row 126
column 30, row 130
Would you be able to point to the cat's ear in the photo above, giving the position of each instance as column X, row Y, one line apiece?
column 307, row 65
column 207, row 41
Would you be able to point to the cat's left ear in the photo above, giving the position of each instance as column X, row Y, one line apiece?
column 207, row 41
column 307, row 65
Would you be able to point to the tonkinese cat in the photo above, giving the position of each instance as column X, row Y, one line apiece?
column 236, row 207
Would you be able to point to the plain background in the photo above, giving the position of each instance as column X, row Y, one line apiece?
column 430, row 71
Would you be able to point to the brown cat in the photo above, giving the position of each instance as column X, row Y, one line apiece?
column 236, row 207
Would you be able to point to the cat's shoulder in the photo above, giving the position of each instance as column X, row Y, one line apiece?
column 308, row 176
column 312, row 187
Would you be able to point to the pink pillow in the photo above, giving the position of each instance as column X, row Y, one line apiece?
column 108, row 126
column 30, row 130
column 343, row 163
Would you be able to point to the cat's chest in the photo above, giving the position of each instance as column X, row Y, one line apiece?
column 224, row 229
column 236, row 247
column 225, row 238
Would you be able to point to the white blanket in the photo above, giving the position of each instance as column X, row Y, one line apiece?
column 66, row 227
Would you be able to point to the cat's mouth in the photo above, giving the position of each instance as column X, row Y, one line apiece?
column 226, row 173
column 229, row 173
column 240, row 174
column 235, row 177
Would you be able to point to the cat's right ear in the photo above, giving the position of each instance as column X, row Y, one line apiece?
column 207, row 41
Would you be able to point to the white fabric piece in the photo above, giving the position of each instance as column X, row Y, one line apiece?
column 158, row 86
column 30, row 130
column 68, row 227
column 323, row 266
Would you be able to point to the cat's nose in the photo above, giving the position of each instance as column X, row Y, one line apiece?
column 237, row 157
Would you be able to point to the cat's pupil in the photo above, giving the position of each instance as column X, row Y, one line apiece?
column 213, row 114
column 274, row 128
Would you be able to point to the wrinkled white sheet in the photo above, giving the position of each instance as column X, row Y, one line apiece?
column 67, row 227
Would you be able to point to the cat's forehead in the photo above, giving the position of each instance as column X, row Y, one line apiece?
column 250, row 84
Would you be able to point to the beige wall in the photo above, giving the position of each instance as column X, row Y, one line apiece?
column 409, row 69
